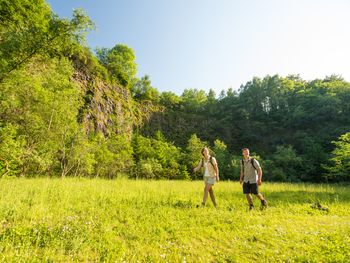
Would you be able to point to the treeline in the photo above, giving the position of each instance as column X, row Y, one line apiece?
column 67, row 112
column 298, row 129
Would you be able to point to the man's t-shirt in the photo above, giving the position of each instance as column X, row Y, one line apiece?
column 250, row 174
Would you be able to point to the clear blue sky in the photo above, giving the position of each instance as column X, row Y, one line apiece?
column 218, row 44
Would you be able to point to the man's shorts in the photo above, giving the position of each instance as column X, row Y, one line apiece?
column 250, row 188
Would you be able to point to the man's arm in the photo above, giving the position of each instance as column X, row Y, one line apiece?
column 257, row 167
column 259, row 175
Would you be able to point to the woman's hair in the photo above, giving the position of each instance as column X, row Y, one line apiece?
column 202, row 151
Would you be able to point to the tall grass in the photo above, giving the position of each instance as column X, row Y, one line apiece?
column 157, row 221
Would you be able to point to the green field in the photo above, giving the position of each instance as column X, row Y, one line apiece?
column 157, row 221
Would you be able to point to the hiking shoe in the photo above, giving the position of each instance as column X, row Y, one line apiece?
column 251, row 207
column 201, row 205
column 263, row 203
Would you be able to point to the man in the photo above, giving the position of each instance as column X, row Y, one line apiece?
column 251, row 174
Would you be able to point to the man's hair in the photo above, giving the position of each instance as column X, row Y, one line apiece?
column 245, row 149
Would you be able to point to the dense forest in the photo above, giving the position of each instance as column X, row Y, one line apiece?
column 68, row 111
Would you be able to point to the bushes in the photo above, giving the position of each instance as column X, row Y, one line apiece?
column 38, row 109
column 157, row 159
column 284, row 165
column 11, row 151
column 340, row 170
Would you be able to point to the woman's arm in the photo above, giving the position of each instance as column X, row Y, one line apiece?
column 216, row 168
column 199, row 165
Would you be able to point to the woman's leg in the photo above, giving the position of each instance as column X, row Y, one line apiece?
column 212, row 196
column 205, row 195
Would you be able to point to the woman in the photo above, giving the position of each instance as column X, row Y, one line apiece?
column 211, row 174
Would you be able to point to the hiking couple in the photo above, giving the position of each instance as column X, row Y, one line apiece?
column 250, row 177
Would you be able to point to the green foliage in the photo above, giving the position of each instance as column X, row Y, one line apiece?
column 120, row 62
column 64, row 111
column 113, row 155
column 42, row 104
column 193, row 155
column 194, row 100
column 12, row 150
column 29, row 29
column 313, row 155
column 60, row 112
column 223, row 159
column 284, row 165
column 170, row 100
column 263, row 115
column 235, row 165
column 142, row 90
column 156, row 158
column 340, row 171
column 76, row 156
column 149, row 168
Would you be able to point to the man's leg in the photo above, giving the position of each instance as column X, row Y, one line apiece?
column 250, row 201
column 247, row 191
column 259, row 196
column 262, row 199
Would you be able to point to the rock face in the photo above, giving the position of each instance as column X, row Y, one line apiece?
column 107, row 108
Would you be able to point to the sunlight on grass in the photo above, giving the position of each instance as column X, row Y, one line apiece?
column 124, row 220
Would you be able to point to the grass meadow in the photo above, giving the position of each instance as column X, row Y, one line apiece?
column 122, row 220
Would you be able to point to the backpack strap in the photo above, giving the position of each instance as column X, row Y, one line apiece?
column 210, row 160
column 252, row 160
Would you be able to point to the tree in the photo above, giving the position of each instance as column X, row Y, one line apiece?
column 12, row 150
column 211, row 102
column 223, row 158
column 29, row 29
column 193, row 154
column 113, row 155
column 194, row 100
column 120, row 62
column 143, row 91
column 156, row 158
column 284, row 165
column 170, row 100
column 340, row 171
column 211, row 98
column 42, row 104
